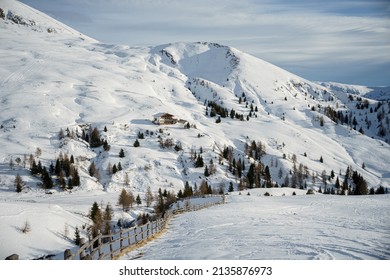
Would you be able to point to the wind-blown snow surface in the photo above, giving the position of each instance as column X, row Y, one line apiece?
column 315, row 227
column 53, row 78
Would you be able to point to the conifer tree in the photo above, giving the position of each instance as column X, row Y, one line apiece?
column 95, row 140
column 92, row 169
column 107, row 217
column 57, row 168
column 122, row 153
column 95, row 215
column 138, row 200
column 18, row 183
column 206, row 171
column 77, row 238
column 61, row 180
column 47, row 182
column 231, row 188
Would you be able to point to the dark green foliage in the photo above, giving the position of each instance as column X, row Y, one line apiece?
column 121, row 153
column 321, row 159
column 75, row 177
column 114, row 169
column 337, row 184
column 360, row 184
column 18, row 183
column 164, row 201
column 2, row 14
column 95, row 214
column 206, row 171
column 92, row 169
column 231, row 188
column 136, row 143
column 199, row 161
column 57, row 168
column 47, row 182
column 141, row 135
column 188, row 192
column 251, row 175
column 119, row 166
column 267, row 177
column 106, row 147
column 61, row 180
column 380, row 190
column 95, row 140
column 138, row 200
column 77, row 238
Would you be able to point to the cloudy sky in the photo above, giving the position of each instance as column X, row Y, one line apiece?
column 345, row 41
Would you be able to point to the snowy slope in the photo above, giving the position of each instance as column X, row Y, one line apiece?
column 278, row 228
column 56, row 78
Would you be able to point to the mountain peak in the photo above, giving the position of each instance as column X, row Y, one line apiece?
column 17, row 14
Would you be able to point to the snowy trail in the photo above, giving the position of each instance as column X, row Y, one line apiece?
column 301, row 227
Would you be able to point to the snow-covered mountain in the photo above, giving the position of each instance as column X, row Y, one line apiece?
column 54, row 79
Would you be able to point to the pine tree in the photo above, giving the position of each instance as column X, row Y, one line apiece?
column 61, row 180
column 57, row 168
column 267, row 177
column 122, row 153
column 231, row 188
column 77, row 238
column 138, row 200
column 18, row 183
column 199, row 161
column 75, row 177
column 114, row 169
column 206, row 171
column 337, row 184
column 95, row 140
column 92, row 169
column 47, row 182
column 136, row 143
column 251, row 175
column 107, row 217
column 95, row 215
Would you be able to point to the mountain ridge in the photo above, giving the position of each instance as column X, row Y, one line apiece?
column 227, row 102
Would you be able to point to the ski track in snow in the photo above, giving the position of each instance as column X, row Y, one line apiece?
column 63, row 79
column 308, row 228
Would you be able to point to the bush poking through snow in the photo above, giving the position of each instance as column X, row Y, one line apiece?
column 310, row 191
column 26, row 227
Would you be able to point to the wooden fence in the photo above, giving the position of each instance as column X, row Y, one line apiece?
column 110, row 246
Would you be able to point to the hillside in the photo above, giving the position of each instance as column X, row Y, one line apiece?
column 249, row 121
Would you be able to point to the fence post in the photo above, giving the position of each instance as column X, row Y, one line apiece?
column 120, row 241
column 99, row 242
column 82, row 253
column 111, row 248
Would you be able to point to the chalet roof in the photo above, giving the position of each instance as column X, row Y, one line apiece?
column 164, row 115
